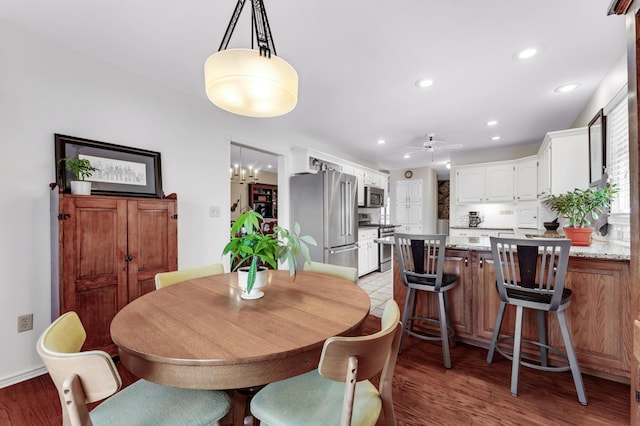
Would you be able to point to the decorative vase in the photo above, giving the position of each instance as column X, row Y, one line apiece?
column 578, row 236
column 80, row 187
column 261, row 281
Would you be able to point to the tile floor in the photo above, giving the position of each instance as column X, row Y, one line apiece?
column 379, row 287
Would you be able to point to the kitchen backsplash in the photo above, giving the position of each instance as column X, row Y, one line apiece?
column 492, row 215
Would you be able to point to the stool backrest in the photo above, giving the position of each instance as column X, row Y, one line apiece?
column 536, row 266
column 421, row 256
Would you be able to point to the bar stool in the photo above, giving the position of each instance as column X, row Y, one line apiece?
column 421, row 259
column 518, row 263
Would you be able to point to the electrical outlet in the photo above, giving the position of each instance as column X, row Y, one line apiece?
column 25, row 323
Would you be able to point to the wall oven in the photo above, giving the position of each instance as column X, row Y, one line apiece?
column 373, row 197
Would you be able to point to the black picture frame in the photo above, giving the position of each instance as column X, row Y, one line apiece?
column 123, row 170
column 597, row 147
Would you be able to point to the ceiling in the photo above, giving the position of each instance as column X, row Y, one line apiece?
column 358, row 62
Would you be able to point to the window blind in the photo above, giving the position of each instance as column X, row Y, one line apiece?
column 618, row 156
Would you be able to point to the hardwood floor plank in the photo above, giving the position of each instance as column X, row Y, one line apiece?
column 424, row 392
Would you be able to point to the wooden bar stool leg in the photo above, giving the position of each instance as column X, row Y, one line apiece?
column 573, row 360
column 517, row 346
column 542, row 338
column 496, row 332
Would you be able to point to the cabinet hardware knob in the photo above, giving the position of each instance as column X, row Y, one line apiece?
column 128, row 257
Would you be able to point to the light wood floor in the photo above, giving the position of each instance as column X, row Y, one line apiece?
column 425, row 393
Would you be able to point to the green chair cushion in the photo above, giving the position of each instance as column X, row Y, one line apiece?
column 310, row 399
column 146, row 403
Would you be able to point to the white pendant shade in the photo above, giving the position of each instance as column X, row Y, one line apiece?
column 243, row 82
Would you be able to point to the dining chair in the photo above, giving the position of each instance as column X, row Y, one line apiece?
column 421, row 260
column 86, row 377
column 165, row 279
column 530, row 274
column 347, row 272
column 339, row 390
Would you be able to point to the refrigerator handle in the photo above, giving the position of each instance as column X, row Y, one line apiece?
column 347, row 202
column 343, row 250
column 343, row 208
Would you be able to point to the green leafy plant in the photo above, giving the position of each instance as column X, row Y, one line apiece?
column 80, row 167
column 581, row 205
column 248, row 242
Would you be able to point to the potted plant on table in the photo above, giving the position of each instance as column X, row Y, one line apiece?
column 250, row 244
column 82, row 169
column 580, row 206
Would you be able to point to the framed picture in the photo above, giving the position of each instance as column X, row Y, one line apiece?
column 597, row 147
column 121, row 170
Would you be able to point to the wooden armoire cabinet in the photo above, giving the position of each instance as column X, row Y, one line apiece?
column 106, row 251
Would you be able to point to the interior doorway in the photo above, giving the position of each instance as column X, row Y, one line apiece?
column 253, row 175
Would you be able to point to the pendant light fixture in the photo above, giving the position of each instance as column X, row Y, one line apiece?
column 253, row 83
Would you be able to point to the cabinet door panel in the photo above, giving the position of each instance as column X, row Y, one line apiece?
column 499, row 183
column 598, row 315
column 93, row 268
column 152, row 243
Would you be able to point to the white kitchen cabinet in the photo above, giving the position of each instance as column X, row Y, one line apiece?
column 409, row 206
column 409, row 191
column 409, row 214
column 527, row 214
column 470, row 184
column 563, row 162
column 499, row 182
column 527, row 179
column 367, row 250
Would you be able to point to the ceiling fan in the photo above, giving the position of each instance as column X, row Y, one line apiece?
column 432, row 144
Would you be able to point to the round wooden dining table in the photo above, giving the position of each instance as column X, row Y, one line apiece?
column 200, row 334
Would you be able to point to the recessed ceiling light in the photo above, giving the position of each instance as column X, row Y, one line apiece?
column 381, row 141
column 525, row 53
column 448, row 165
column 268, row 166
column 406, row 156
column 492, row 122
column 495, row 138
column 425, row 82
column 566, row 87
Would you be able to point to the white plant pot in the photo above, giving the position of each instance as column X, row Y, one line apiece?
column 80, row 187
column 261, row 281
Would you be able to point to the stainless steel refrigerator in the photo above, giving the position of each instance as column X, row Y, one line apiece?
column 325, row 205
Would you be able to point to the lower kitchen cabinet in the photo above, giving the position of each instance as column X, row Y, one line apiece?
column 106, row 251
column 367, row 251
column 598, row 316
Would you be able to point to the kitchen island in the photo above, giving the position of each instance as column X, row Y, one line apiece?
column 599, row 315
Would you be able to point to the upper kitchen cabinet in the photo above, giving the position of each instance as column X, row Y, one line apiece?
column 499, row 182
column 563, row 162
column 409, row 191
column 527, row 179
column 491, row 182
column 470, row 184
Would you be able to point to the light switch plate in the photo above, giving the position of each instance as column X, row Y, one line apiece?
column 214, row 211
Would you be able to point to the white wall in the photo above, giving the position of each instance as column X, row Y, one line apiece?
column 46, row 88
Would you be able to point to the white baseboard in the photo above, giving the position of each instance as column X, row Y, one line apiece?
column 12, row 380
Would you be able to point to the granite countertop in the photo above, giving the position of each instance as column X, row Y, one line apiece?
column 598, row 249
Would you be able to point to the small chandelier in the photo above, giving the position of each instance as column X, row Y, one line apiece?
column 253, row 83
column 241, row 175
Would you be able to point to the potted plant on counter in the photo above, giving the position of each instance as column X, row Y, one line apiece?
column 249, row 244
column 82, row 169
column 580, row 206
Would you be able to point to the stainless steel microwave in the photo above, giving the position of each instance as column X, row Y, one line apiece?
column 373, row 197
